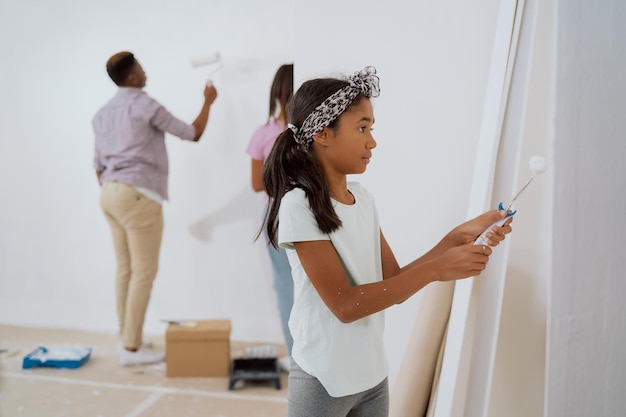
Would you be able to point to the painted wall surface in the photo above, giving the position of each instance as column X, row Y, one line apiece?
column 518, row 384
column 586, row 366
column 56, row 254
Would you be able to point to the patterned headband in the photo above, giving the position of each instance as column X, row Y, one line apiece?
column 364, row 82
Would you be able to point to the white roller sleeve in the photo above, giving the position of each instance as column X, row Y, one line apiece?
column 208, row 59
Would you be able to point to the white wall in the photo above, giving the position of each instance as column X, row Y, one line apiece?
column 56, row 258
column 586, row 366
column 519, row 368
column 56, row 254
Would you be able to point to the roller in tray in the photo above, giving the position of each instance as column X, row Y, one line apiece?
column 57, row 357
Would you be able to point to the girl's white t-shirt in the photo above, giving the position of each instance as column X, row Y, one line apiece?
column 347, row 358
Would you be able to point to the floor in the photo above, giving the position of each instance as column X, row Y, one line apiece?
column 103, row 388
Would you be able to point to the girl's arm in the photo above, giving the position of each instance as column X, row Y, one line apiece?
column 465, row 233
column 349, row 303
column 256, row 175
column 452, row 258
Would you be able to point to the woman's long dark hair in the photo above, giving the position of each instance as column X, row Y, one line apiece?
column 282, row 89
column 290, row 165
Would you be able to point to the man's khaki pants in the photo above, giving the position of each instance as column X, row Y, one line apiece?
column 137, row 226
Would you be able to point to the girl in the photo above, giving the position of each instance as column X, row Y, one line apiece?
column 344, row 272
column 259, row 147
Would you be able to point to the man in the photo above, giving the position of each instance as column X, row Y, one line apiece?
column 132, row 168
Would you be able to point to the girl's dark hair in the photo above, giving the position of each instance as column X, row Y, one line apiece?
column 289, row 165
column 282, row 88
column 119, row 66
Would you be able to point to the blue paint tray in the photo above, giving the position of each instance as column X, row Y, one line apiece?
column 57, row 357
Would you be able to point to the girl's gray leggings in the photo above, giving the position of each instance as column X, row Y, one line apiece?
column 308, row 398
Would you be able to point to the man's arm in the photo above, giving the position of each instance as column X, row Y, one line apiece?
column 210, row 94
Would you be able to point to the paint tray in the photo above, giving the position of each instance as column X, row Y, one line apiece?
column 254, row 369
column 57, row 357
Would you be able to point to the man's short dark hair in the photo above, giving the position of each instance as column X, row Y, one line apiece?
column 119, row 66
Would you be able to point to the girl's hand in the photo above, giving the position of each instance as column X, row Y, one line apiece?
column 468, row 232
column 462, row 261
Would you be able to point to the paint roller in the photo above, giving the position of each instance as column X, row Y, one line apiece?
column 213, row 59
column 537, row 165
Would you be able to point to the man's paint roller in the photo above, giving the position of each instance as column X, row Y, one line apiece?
column 213, row 59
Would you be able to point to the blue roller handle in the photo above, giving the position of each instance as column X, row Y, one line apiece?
column 482, row 239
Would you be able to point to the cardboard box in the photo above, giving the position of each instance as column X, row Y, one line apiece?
column 202, row 350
